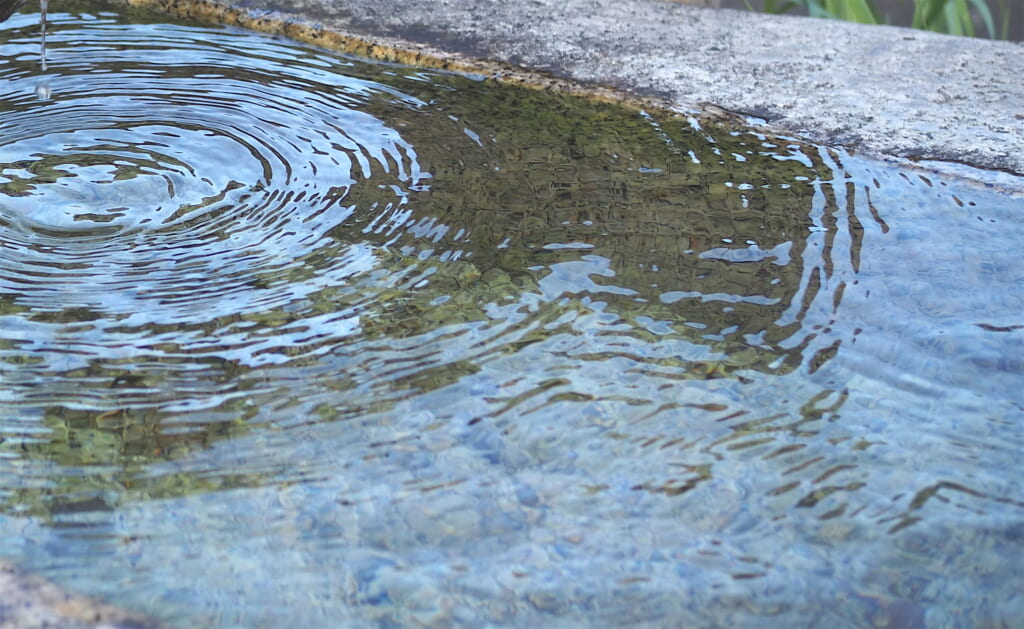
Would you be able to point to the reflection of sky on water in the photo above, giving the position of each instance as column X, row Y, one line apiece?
column 625, row 380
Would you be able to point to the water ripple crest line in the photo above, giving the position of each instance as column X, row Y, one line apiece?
column 174, row 182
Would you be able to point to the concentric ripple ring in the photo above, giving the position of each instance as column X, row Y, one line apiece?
column 190, row 189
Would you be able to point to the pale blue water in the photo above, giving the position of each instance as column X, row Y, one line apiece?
column 292, row 339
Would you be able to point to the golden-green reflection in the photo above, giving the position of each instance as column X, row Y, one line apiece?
column 528, row 202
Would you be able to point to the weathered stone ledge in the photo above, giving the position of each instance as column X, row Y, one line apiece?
column 882, row 90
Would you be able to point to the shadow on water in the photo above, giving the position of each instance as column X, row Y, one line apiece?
column 425, row 344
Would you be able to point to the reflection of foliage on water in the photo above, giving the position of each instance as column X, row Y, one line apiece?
column 703, row 229
column 689, row 234
column 108, row 457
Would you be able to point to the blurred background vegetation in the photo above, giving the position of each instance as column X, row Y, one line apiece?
column 996, row 19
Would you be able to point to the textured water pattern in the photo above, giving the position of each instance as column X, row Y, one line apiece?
column 292, row 339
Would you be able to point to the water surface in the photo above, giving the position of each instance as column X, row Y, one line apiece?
column 289, row 338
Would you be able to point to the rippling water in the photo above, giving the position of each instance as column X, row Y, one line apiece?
column 290, row 338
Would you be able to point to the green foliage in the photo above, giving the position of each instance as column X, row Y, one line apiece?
column 955, row 17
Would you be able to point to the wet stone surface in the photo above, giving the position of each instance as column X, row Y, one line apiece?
column 293, row 339
column 29, row 602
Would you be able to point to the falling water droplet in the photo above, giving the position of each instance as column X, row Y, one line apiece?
column 43, row 90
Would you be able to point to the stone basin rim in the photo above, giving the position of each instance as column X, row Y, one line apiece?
column 995, row 163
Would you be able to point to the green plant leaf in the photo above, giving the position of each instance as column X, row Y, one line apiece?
column 862, row 11
column 954, row 17
column 927, row 13
column 986, row 16
column 958, row 18
column 778, row 6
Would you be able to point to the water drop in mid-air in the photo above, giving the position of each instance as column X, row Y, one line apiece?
column 43, row 90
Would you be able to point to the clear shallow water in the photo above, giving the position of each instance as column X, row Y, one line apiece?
column 288, row 338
